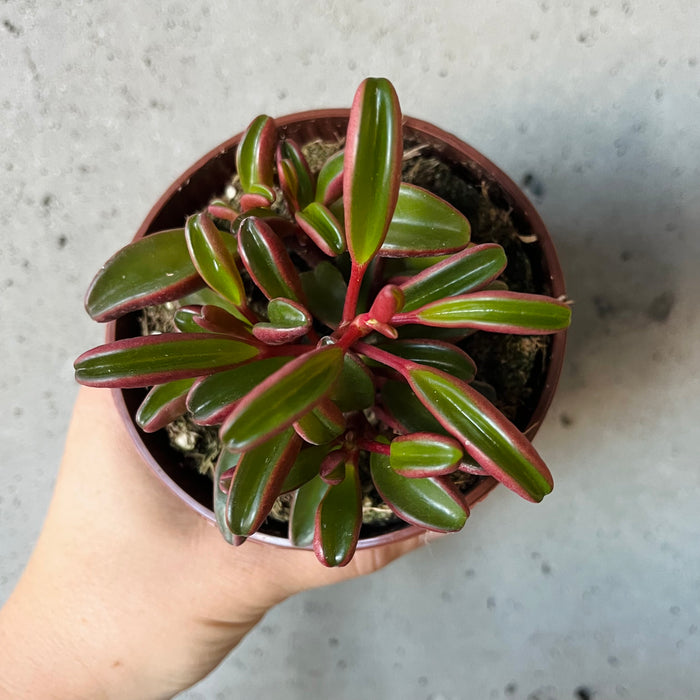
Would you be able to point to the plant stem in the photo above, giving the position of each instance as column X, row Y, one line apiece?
column 386, row 358
column 373, row 446
column 357, row 272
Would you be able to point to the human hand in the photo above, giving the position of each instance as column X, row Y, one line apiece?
column 129, row 593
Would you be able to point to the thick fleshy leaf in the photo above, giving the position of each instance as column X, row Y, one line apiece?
column 332, row 469
column 329, row 185
column 484, row 432
column 321, row 226
column 338, row 520
column 155, row 359
column 355, row 388
column 282, row 398
column 255, row 154
column 152, row 270
column 288, row 321
column 432, row 503
column 208, row 297
column 435, row 353
column 306, row 467
column 213, row 260
column 322, row 424
column 163, row 404
column 302, row 519
column 325, row 291
column 267, row 261
column 388, row 301
column 257, row 481
column 466, row 271
column 214, row 397
column 424, row 224
column 220, row 209
column 289, row 154
column 372, row 170
column 501, row 312
column 398, row 398
column 424, row 454
column 222, row 486
column 210, row 319
column 281, row 225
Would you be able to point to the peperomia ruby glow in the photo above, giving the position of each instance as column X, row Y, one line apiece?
column 298, row 352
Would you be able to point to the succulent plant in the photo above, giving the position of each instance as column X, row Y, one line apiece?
column 319, row 345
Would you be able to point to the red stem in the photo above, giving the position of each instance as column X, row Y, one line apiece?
column 350, row 309
column 386, row 358
column 372, row 446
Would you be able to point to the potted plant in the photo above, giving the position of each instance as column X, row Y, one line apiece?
column 318, row 313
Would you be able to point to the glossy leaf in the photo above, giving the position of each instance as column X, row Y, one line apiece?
column 282, row 398
column 302, row 519
column 322, row 424
column 220, row 209
column 214, row 397
column 254, row 156
column 210, row 319
column 154, row 359
column 338, row 520
column 225, row 465
column 484, row 432
column 289, row 154
column 163, row 404
column 355, row 388
column 208, row 297
column 257, row 481
column 325, row 290
column 424, row 454
column 152, row 270
column 399, row 399
column 432, row 503
column 281, row 225
column 321, row 226
column 501, row 312
column 435, row 353
column 329, row 185
column 424, row 224
column 466, row 271
column 306, row 467
column 332, row 469
column 372, row 170
column 267, row 261
column 213, row 259
column 288, row 321
column 388, row 301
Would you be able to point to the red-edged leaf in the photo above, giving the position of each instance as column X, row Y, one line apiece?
column 257, row 481
column 155, row 359
column 329, row 185
column 322, row 424
column 254, row 159
column 163, row 404
column 484, row 432
column 338, row 520
column 219, row 209
column 424, row 454
column 321, row 226
column 332, row 469
column 302, row 518
column 325, row 291
column 388, row 301
column 290, row 160
column 306, row 467
column 210, row 319
column 282, row 398
column 267, row 261
column 288, row 321
column 372, row 170
column 223, row 477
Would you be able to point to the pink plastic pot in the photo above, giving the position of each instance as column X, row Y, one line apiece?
column 209, row 176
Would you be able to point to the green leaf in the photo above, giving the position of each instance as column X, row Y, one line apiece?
column 282, row 398
column 434, row 353
column 163, row 404
column 305, row 468
column 431, row 502
column 149, row 360
column 226, row 462
column 288, row 321
column 329, row 185
column 211, row 399
column 321, row 226
column 289, row 153
column 325, row 291
column 355, row 388
column 208, row 297
column 267, row 261
column 372, row 170
column 501, row 312
column 424, row 454
column 322, row 424
column 302, row 519
column 213, row 260
column 152, row 270
column 424, row 224
column 485, row 433
column 255, row 155
column 258, row 481
column 463, row 272
column 398, row 398
column 338, row 520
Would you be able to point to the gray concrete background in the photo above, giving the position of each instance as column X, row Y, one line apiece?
column 596, row 104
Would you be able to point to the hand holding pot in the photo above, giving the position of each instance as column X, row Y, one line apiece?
column 129, row 593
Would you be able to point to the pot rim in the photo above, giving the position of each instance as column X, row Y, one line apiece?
column 466, row 155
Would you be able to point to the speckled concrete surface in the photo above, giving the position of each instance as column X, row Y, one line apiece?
column 595, row 105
